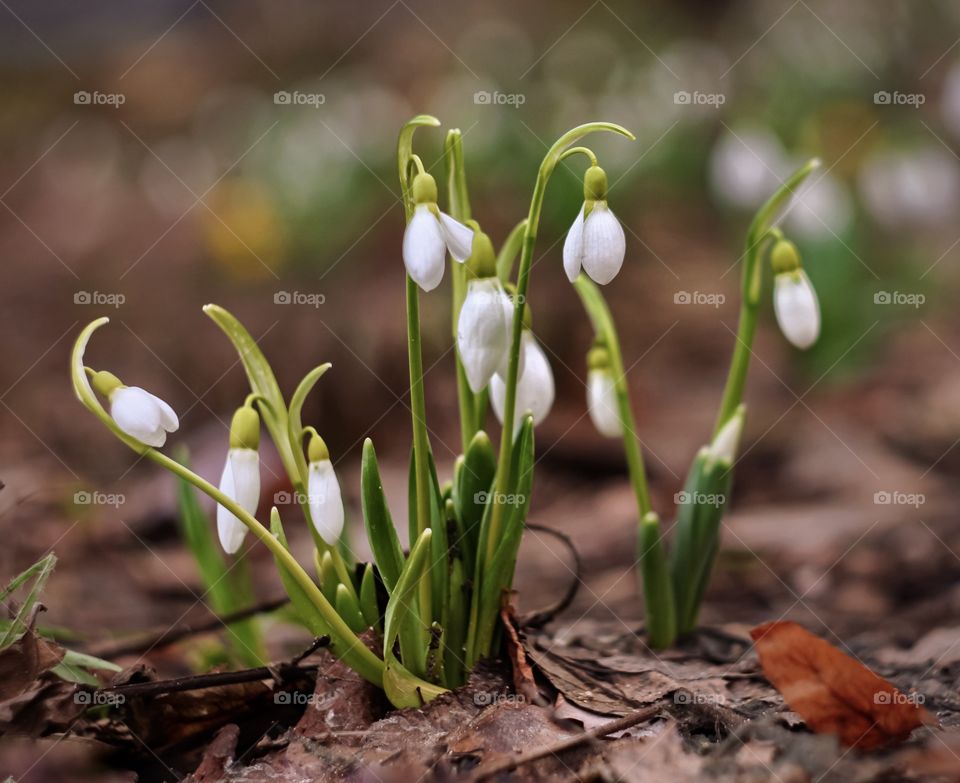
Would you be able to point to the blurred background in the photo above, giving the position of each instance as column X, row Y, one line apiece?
column 158, row 156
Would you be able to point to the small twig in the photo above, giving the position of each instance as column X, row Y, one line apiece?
column 541, row 617
column 162, row 637
column 612, row 727
column 276, row 671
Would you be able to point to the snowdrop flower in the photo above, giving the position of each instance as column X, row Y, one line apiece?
column 323, row 492
column 602, row 394
column 595, row 241
column 794, row 300
column 137, row 412
column 241, row 477
column 430, row 234
column 483, row 328
column 535, row 388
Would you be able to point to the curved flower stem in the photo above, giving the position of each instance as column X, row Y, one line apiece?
column 758, row 235
column 606, row 330
column 354, row 652
column 547, row 167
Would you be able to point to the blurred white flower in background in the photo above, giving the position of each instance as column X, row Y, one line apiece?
column 822, row 208
column 746, row 167
column 911, row 187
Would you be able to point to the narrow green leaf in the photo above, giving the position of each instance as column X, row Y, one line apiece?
column 402, row 618
column 368, row 597
column 661, row 616
column 473, row 487
column 262, row 381
column 294, row 424
column 39, row 573
column 509, row 251
column 348, row 608
column 381, row 533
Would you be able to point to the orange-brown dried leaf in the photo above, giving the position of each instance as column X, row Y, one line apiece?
column 832, row 692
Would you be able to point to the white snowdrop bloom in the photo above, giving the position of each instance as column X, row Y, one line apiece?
column 241, row 477
column 142, row 415
column 323, row 493
column 430, row 234
column 241, row 483
column 595, row 242
column 795, row 304
column 602, row 403
column 483, row 333
column 535, row 389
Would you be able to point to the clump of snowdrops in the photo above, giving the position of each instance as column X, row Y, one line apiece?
column 444, row 594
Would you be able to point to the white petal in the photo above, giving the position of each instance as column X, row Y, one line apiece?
column 458, row 237
column 326, row 504
column 136, row 413
column 168, row 418
column 424, row 251
column 241, row 482
column 535, row 390
column 604, row 244
column 602, row 403
column 573, row 248
column 795, row 304
column 482, row 331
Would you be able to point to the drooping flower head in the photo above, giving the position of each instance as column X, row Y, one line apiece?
column 430, row 234
column 794, row 300
column 135, row 411
column 483, row 328
column 323, row 492
column 595, row 241
column 535, row 385
column 240, row 480
column 602, row 394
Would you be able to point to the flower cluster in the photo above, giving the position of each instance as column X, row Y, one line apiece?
column 432, row 610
